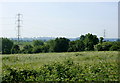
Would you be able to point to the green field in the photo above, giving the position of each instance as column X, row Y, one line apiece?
column 86, row 66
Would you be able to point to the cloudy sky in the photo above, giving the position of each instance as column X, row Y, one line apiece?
column 59, row 19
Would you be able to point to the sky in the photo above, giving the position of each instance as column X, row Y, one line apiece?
column 59, row 19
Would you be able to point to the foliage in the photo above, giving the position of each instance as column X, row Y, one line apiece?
column 27, row 49
column 37, row 42
column 37, row 49
column 15, row 49
column 72, row 47
column 86, row 42
column 67, row 71
column 45, row 48
column 74, row 66
column 98, row 47
column 82, row 37
column 6, row 46
column 75, row 46
column 101, row 40
column 61, row 45
column 89, row 41
column 115, row 46
column 108, row 46
column 51, row 45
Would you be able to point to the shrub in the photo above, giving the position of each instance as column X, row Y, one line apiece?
column 107, row 46
column 75, row 46
column 66, row 71
column 37, row 49
column 15, row 49
column 38, row 42
column 27, row 49
column 115, row 46
column 98, row 47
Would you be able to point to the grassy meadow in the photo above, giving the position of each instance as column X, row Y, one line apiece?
column 86, row 66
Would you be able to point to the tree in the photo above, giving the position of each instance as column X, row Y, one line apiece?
column 89, row 41
column 37, row 49
column 50, row 45
column 61, row 45
column 72, row 47
column 6, row 46
column 75, row 46
column 38, row 42
column 45, row 48
column 101, row 40
column 79, row 45
column 15, row 49
column 82, row 37
column 27, row 49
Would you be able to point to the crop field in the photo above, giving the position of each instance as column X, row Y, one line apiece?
column 68, row 66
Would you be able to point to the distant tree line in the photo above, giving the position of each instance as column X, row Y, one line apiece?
column 86, row 42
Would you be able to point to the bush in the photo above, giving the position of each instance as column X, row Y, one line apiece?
column 38, row 43
column 45, row 48
column 115, row 46
column 66, row 71
column 37, row 49
column 27, row 49
column 98, row 47
column 15, row 49
column 75, row 46
column 108, row 46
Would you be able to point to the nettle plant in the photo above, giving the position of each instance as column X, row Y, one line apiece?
column 64, row 71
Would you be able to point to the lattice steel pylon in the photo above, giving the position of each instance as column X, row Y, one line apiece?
column 18, row 26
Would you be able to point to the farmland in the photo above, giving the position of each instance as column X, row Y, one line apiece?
column 68, row 66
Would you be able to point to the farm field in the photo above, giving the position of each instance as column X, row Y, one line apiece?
column 68, row 66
